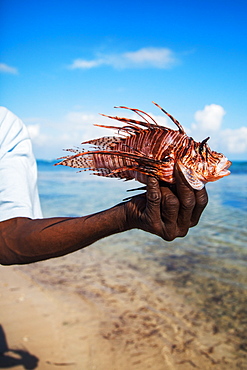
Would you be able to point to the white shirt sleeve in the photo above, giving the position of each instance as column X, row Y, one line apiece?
column 18, row 170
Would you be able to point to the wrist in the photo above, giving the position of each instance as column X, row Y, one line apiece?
column 131, row 215
column 120, row 217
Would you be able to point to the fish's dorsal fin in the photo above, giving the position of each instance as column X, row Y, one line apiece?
column 140, row 113
column 178, row 124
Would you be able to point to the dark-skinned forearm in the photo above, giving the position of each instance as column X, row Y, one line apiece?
column 24, row 240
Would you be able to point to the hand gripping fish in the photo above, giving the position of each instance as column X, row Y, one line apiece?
column 143, row 148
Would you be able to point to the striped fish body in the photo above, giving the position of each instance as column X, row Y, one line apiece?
column 143, row 148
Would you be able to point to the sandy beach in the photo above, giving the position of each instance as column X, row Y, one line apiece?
column 107, row 316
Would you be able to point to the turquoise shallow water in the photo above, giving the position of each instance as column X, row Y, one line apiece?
column 207, row 267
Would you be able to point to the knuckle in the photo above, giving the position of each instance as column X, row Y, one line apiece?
column 154, row 196
column 152, row 181
column 194, row 223
column 203, row 200
column 188, row 203
column 171, row 232
column 183, row 232
column 171, row 201
column 170, row 237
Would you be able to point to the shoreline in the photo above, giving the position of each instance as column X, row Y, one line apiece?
column 105, row 315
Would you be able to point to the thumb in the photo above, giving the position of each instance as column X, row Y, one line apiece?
column 153, row 197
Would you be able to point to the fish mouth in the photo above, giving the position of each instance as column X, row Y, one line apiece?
column 228, row 164
column 223, row 170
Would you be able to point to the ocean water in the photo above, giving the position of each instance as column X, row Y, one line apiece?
column 208, row 267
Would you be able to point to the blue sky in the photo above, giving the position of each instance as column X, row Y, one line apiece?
column 63, row 62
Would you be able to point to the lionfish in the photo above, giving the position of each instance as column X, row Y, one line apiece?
column 144, row 148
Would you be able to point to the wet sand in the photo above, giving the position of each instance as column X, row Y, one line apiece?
column 90, row 310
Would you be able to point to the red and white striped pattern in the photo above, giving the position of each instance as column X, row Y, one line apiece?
column 143, row 148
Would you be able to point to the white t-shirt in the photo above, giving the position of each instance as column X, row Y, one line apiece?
column 18, row 170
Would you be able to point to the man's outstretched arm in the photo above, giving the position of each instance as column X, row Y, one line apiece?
column 160, row 211
column 23, row 240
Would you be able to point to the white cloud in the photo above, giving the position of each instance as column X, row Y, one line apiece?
column 209, row 122
column 4, row 68
column 39, row 139
column 152, row 57
column 149, row 57
column 210, row 118
column 79, row 118
column 34, row 131
column 235, row 140
column 84, row 64
column 82, row 126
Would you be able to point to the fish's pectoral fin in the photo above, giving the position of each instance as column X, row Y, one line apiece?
column 190, row 176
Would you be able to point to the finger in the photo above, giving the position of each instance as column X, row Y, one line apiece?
column 169, row 212
column 153, row 196
column 186, row 196
column 169, row 205
column 152, row 212
column 201, row 202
